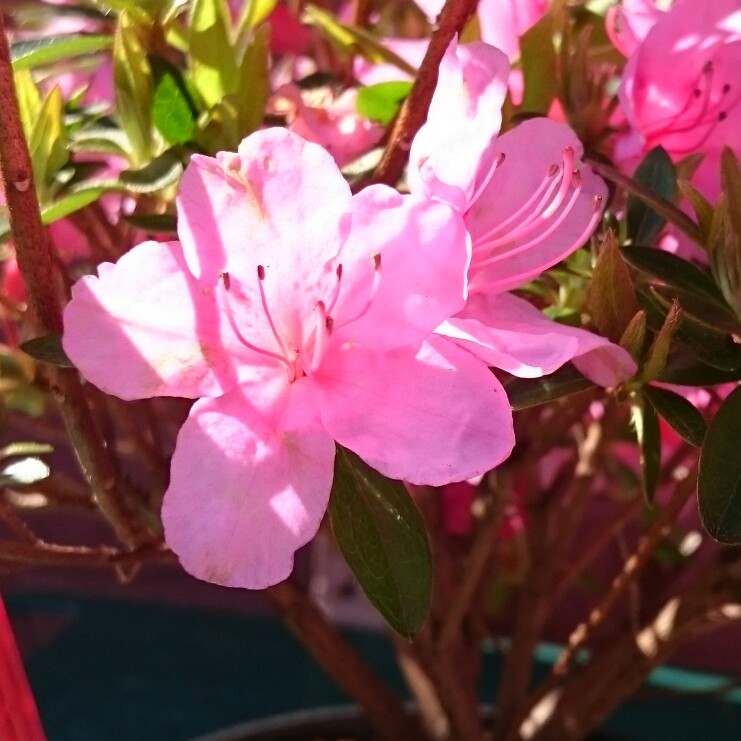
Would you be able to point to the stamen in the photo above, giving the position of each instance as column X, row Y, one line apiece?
column 336, row 291
column 548, row 184
column 226, row 281
column 376, row 262
column 321, row 335
column 593, row 221
column 539, row 238
column 263, row 298
column 495, row 166
column 536, row 217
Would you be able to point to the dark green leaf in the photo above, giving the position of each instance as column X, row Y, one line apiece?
column 656, row 172
column 719, row 480
column 612, row 297
column 154, row 223
column 50, row 49
column 173, row 111
column 383, row 539
column 646, row 424
column 674, row 271
column 47, row 349
column 684, row 370
column 254, row 81
column 680, row 414
column 161, row 172
column 530, row 392
column 382, row 102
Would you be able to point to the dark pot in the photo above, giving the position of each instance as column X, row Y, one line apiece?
column 341, row 723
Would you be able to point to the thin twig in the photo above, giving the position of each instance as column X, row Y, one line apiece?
column 51, row 554
column 453, row 17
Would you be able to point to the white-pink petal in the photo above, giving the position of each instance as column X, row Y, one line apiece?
column 249, row 486
column 432, row 418
column 145, row 327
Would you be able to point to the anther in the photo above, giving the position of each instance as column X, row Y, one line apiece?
column 339, row 272
column 576, row 178
column 329, row 324
column 726, row 88
column 596, row 203
column 226, row 280
column 261, row 272
column 376, row 260
column 553, row 170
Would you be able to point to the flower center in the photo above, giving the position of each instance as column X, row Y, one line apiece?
column 303, row 356
column 703, row 109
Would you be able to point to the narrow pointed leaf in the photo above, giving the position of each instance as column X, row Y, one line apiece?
column 47, row 349
column 681, row 415
column 382, row 102
column 655, row 172
column 173, row 111
column 50, row 49
column 719, row 480
column 382, row 537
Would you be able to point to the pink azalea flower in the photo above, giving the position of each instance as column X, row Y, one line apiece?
column 696, row 108
column 527, row 203
column 320, row 117
column 300, row 315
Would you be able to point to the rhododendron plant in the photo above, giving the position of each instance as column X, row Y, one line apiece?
column 371, row 306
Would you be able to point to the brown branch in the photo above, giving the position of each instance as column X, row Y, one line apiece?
column 51, row 554
column 453, row 17
column 340, row 660
column 37, row 269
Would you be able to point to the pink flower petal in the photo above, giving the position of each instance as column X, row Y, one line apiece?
column 424, row 254
column 511, row 221
column 145, row 327
column 509, row 333
column 502, row 22
column 250, row 483
column 281, row 202
column 434, row 418
column 455, row 148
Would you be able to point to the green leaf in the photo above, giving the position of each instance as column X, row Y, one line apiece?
column 29, row 99
column 101, row 140
column 612, row 297
column 530, row 392
column 73, row 201
column 719, row 479
column 173, row 112
column 47, row 143
column 160, row 173
column 133, row 86
column 50, row 49
column 383, row 101
column 539, row 66
column 646, row 425
column 351, row 39
column 655, row 172
column 674, row 271
column 254, row 82
column 684, row 370
column 212, row 63
column 25, row 449
column 681, row 415
column 700, row 205
column 47, row 349
column 382, row 537
column 253, row 13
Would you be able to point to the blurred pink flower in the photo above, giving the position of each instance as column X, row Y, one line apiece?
column 527, row 203
column 320, row 117
column 302, row 315
column 696, row 107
